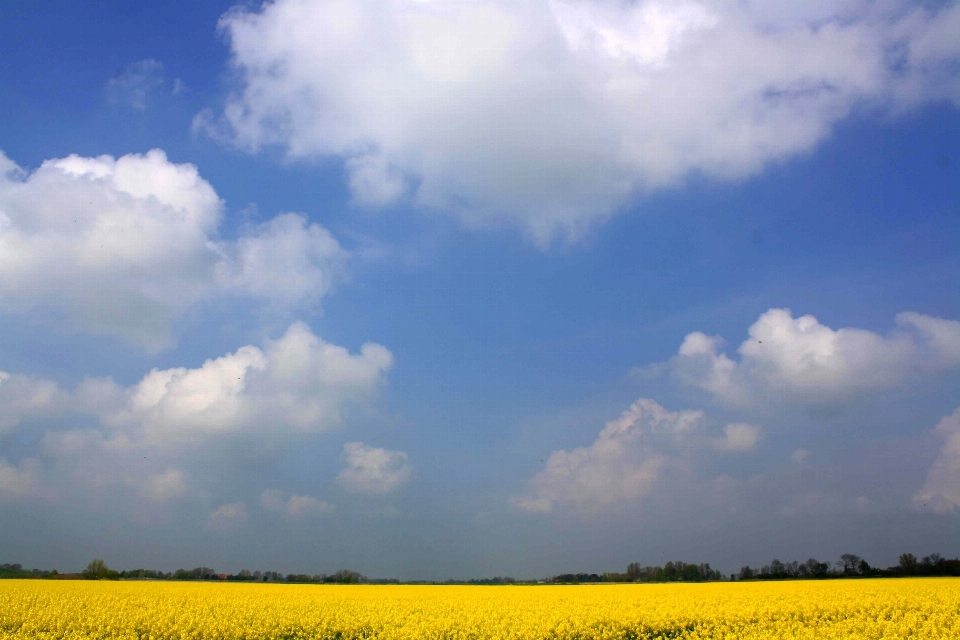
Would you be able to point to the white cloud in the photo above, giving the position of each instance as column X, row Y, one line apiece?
column 155, row 439
column 370, row 470
column 941, row 492
column 799, row 456
column 169, row 485
column 802, row 361
column 307, row 506
column 294, row 506
column 298, row 383
column 552, row 113
column 125, row 246
column 622, row 465
column 283, row 260
column 739, row 437
column 21, row 481
column 227, row 517
column 22, row 396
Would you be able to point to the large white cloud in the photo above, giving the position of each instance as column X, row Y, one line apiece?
column 627, row 460
column 372, row 470
column 550, row 113
column 799, row 360
column 125, row 246
column 941, row 492
column 156, row 438
column 298, row 383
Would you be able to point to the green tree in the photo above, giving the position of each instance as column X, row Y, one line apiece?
column 908, row 563
column 98, row 570
column 849, row 563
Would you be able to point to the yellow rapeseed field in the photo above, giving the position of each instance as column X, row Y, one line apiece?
column 909, row 608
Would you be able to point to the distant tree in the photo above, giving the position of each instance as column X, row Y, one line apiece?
column 849, row 563
column 671, row 570
column 816, row 569
column 633, row 571
column 746, row 573
column 908, row 563
column 345, row 576
column 706, row 573
column 777, row 569
column 929, row 563
column 98, row 570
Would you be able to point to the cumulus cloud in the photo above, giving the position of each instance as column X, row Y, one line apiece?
column 283, row 260
column 941, row 492
column 22, row 396
column 799, row 360
column 551, row 113
column 739, row 437
column 155, row 438
column 169, row 485
column 297, row 383
column 294, row 506
column 370, row 470
column 21, row 481
column 228, row 517
column 125, row 246
column 624, row 464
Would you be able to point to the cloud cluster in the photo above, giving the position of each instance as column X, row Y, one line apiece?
column 800, row 361
column 296, row 384
column 551, row 113
column 125, row 246
column 228, row 517
column 294, row 506
column 629, row 458
column 739, row 437
column 21, row 481
column 941, row 491
column 22, row 396
column 168, row 485
column 371, row 470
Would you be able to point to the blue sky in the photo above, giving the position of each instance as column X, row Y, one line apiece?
column 506, row 288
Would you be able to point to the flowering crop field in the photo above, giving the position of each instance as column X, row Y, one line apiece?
column 908, row 608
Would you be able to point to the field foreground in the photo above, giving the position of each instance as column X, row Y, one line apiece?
column 926, row 608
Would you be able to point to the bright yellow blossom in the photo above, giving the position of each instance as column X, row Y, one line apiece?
column 875, row 609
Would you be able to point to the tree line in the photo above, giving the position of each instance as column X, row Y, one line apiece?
column 851, row 566
column 98, row 570
column 848, row 566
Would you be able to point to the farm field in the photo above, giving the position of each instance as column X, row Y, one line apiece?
column 908, row 608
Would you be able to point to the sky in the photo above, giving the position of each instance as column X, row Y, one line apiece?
column 437, row 289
